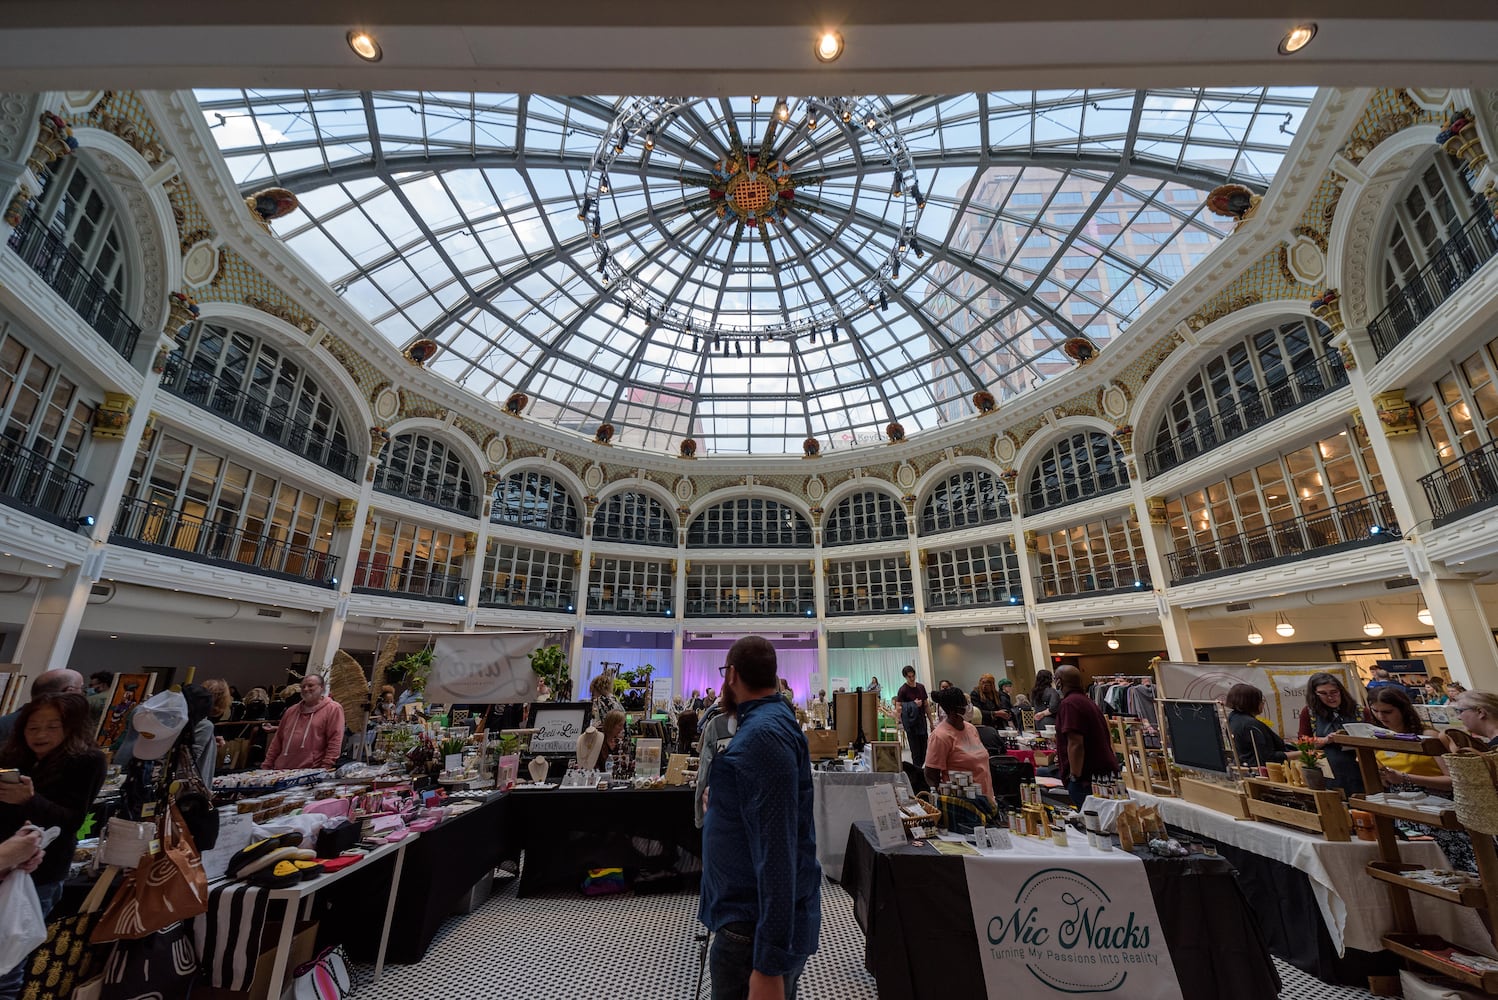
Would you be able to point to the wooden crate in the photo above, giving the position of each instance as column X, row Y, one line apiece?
column 1325, row 812
column 1229, row 800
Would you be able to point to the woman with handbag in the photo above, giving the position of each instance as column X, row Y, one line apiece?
column 57, row 775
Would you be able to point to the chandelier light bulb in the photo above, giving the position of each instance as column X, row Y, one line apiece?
column 829, row 46
column 1424, row 617
column 1112, row 643
column 1283, row 626
column 1254, row 636
column 782, row 110
column 1371, row 626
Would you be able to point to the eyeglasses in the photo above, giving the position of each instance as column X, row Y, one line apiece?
column 1465, row 708
column 723, row 671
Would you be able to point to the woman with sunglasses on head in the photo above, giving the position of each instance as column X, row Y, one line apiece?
column 1329, row 706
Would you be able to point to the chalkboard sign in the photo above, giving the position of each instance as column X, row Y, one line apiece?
column 1195, row 732
column 558, row 724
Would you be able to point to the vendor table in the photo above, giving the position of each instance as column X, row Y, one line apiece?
column 840, row 799
column 441, row 868
column 914, row 909
column 566, row 831
column 1354, row 908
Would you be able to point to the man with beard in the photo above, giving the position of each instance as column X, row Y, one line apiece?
column 761, row 884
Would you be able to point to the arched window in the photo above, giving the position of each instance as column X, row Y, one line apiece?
column 966, row 499
column 870, row 516
column 73, row 237
column 1078, row 467
column 535, row 500
column 426, row 470
column 1437, row 203
column 634, row 517
column 749, row 522
column 1263, row 376
column 254, row 385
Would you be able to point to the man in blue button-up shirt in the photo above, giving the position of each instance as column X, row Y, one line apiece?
column 761, row 884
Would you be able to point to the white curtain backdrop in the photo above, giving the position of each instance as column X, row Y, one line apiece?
column 699, row 670
column 632, row 658
column 858, row 665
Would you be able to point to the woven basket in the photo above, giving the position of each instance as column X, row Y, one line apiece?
column 932, row 814
column 348, row 686
column 1474, row 786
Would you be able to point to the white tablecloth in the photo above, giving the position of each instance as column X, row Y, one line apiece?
column 1354, row 906
column 842, row 799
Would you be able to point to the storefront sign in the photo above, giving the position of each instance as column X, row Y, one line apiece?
column 1067, row 927
column 483, row 668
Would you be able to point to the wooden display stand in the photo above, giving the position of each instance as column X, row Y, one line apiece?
column 1407, row 941
column 1143, row 769
column 1323, row 812
column 1229, row 800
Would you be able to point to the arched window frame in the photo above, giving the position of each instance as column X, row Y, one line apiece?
column 1266, row 374
column 866, row 516
column 990, row 502
column 77, row 204
column 41, row 408
column 1436, row 201
column 636, row 517
column 749, row 522
column 1070, row 471
column 517, row 575
column 421, row 467
column 536, row 500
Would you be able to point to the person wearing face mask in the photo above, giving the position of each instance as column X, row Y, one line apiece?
column 311, row 732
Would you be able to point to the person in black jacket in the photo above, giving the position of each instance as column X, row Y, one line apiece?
column 1253, row 740
column 993, row 701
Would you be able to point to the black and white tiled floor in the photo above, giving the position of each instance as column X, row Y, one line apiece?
column 570, row 947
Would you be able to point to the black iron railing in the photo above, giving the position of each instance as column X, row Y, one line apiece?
column 46, row 251
column 151, row 525
column 273, row 422
column 712, row 605
column 546, row 599
column 614, row 527
column 1061, row 492
column 1236, row 418
column 40, row 486
column 431, row 585
column 947, row 598
column 1122, row 578
column 1357, row 522
column 629, row 601
column 441, row 497
column 1463, row 485
column 1450, row 265
column 881, row 602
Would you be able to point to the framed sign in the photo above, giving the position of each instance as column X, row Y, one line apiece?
column 558, row 724
column 129, row 690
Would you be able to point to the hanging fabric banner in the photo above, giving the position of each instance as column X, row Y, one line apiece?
column 1058, row 928
column 1283, row 685
column 483, row 668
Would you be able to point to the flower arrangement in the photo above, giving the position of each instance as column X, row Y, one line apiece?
column 604, row 434
column 984, row 402
column 1307, row 754
column 895, row 432
column 687, row 448
column 811, row 447
column 516, row 403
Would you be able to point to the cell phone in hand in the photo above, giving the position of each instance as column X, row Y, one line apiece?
column 11, row 775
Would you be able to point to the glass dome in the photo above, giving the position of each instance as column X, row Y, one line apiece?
column 752, row 271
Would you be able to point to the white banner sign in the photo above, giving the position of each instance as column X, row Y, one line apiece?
column 1068, row 927
column 1283, row 685
column 483, row 668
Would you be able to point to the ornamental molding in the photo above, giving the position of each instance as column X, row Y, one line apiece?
column 18, row 125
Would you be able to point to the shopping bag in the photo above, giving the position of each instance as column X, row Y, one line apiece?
column 22, row 925
column 167, row 887
column 159, row 965
column 67, row 958
column 326, row 977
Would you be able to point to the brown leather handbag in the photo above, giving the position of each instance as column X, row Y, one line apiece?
column 167, row 886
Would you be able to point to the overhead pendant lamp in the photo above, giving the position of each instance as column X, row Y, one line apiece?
column 694, row 345
column 622, row 141
column 1255, row 637
column 1371, row 626
column 582, row 213
column 883, row 300
column 898, row 188
column 915, row 191
column 782, row 109
column 1282, row 625
column 738, row 348
column 834, row 333
column 915, row 245
column 894, row 268
column 1112, row 642
column 603, row 183
column 649, row 316
column 758, row 349
column 1424, row 616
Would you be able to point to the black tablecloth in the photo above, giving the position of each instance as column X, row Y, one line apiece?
column 566, row 831
column 442, row 865
column 914, row 910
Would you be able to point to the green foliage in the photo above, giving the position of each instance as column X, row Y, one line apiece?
column 416, row 668
column 622, row 684
column 452, row 745
column 551, row 666
column 509, row 744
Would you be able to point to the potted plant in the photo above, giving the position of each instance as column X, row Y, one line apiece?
column 1309, row 759
column 415, row 668
column 550, row 665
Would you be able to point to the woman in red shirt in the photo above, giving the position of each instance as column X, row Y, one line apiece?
column 954, row 745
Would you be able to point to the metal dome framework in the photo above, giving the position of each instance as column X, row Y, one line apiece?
column 1046, row 215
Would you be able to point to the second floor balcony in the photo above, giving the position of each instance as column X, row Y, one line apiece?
column 143, row 524
column 1450, row 266
column 1463, row 485
column 638, row 600
column 271, row 421
column 779, row 603
column 1097, row 580
column 432, row 494
column 376, row 574
column 1365, row 521
column 46, row 251
column 532, row 597
column 40, row 486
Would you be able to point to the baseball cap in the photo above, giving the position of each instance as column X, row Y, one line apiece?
column 158, row 721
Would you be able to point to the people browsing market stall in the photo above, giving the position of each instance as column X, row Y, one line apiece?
column 1084, row 750
column 1401, row 771
column 1044, row 698
column 911, row 700
column 955, row 745
column 1329, row 706
column 1478, row 711
column 991, row 698
column 1255, row 741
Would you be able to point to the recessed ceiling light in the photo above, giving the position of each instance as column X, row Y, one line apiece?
column 1297, row 38
column 114, row 637
column 829, row 46
column 365, row 46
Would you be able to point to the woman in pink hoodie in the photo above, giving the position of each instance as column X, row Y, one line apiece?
column 311, row 733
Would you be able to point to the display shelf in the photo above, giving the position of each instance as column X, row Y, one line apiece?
column 1227, row 799
column 1428, row 745
column 1393, row 874
column 1414, row 947
column 1445, row 819
column 1320, row 812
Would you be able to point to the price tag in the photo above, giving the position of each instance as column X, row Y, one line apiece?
column 998, row 839
column 453, row 762
column 888, row 830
